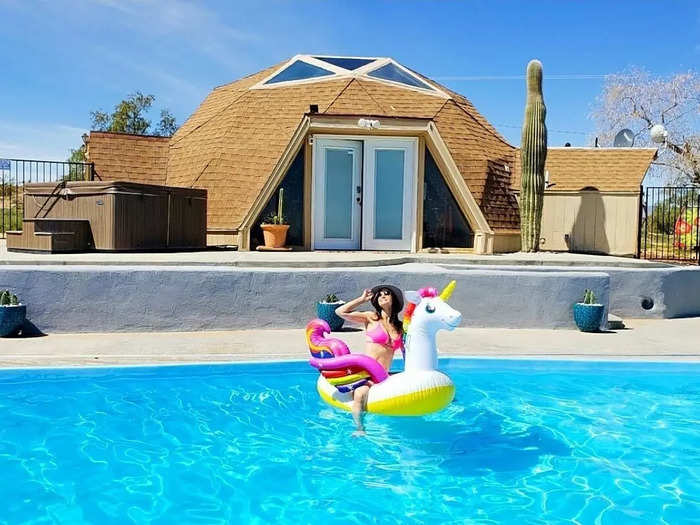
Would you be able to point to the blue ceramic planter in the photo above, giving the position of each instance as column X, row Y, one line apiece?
column 11, row 319
column 588, row 316
column 326, row 311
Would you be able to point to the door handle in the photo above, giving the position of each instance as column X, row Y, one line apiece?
column 358, row 190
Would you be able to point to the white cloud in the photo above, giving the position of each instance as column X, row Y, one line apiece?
column 199, row 27
column 38, row 140
column 176, row 87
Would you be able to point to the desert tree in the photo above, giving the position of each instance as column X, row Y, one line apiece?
column 669, row 106
column 130, row 115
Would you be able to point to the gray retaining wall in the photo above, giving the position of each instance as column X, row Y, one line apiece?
column 142, row 298
column 669, row 291
column 119, row 298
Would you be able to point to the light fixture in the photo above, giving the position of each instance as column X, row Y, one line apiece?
column 658, row 133
column 85, row 137
column 368, row 123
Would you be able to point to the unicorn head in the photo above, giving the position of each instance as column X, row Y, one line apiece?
column 426, row 314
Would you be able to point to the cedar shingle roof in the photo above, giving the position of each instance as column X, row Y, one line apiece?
column 126, row 157
column 606, row 169
column 232, row 142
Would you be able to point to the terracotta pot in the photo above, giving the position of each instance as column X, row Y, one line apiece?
column 275, row 235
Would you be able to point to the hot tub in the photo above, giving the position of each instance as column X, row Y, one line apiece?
column 125, row 216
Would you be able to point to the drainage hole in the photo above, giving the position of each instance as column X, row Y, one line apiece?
column 647, row 303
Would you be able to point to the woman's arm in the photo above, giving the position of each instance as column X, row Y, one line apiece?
column 346, row 311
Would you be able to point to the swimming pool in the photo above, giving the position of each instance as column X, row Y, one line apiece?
column 524, row 442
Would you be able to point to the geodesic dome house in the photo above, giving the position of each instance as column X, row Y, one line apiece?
column 371, row 156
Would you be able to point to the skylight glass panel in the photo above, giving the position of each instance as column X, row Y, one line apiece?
column 395, row 74
column 346, row 63
column 299, row 70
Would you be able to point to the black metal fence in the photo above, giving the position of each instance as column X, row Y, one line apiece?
column 15, row 173
column 670, row 224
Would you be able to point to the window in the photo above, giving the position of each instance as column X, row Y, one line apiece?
column 396, row 74
column 293, row 184
column 299, row 70
column 444, row 224
column 346, row 63
column 310, row 68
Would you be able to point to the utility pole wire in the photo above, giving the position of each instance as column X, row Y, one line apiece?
column 520, row 77
column 552, row 130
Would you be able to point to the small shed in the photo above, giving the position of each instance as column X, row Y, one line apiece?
column 591, row 201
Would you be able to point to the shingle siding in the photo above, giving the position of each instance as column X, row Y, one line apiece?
column 125, row 157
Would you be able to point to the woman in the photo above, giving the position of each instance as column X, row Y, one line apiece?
column 384, row 335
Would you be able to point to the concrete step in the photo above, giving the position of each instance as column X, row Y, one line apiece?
column 51, row 236
column 615, row 322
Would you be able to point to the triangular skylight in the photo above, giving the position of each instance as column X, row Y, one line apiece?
column 395, row 74
column 303, row 69
column 348, row 63
column 299, row 70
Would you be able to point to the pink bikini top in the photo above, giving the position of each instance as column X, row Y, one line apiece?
column 380, row 336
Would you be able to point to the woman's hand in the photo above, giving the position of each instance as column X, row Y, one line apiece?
column 346, row 311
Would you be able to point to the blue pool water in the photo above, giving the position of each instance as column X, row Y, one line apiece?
column 524, row 442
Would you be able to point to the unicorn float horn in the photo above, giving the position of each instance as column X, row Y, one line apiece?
column 447, row 292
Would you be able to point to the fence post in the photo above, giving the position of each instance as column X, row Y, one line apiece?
column 639, row 222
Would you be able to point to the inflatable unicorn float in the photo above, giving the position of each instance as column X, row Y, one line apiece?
column 420, row 389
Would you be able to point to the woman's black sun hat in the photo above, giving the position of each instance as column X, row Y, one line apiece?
column 398, row 294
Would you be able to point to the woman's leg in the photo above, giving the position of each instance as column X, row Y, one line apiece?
column 358, row 407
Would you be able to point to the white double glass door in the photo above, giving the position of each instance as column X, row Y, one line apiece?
column 364, row 193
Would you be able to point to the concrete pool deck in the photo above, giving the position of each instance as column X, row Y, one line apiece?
column 317, row 259
column 642, row 340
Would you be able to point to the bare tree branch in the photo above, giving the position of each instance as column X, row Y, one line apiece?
column 634, row 99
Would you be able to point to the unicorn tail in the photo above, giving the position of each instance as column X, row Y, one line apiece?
column 320, row 346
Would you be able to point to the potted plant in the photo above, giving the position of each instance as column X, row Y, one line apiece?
column 12, row 314
column 326, row 311
column 589, row 314
column 275, row 226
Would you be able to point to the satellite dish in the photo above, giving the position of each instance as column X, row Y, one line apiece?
column 624, row 139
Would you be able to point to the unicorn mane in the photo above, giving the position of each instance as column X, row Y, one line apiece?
column 427, row 291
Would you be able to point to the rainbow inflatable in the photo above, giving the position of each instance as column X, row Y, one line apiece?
column 686, row 229
column 420, row 389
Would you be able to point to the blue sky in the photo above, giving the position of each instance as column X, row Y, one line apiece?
column 62, row 59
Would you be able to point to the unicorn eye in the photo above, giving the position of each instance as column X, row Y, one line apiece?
column 429, row 308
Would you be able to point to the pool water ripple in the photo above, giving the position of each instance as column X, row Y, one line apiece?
column 524, row 442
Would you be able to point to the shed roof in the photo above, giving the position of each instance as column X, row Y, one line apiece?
column 605, row 169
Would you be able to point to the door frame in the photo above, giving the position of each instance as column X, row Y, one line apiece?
column 318, row 168
column 317, row 138
column 409, row 197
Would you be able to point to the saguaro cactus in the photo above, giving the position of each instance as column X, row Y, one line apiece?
column 533, row 153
